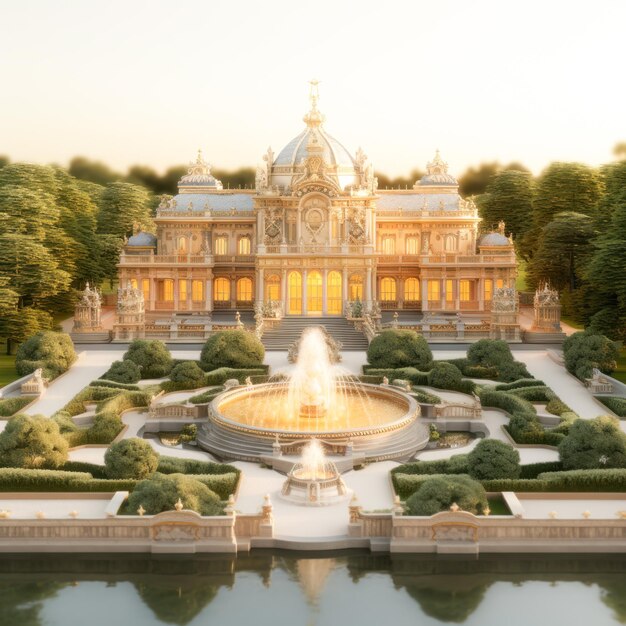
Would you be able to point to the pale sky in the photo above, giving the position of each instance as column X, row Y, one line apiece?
column 151, row 81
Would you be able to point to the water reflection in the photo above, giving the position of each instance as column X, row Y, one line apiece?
column 265, row 588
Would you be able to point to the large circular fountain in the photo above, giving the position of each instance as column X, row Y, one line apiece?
column 318, row 400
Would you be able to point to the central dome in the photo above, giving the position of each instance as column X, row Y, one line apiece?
column 296, row 150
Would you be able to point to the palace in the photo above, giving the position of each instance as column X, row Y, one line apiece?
column 314, row 236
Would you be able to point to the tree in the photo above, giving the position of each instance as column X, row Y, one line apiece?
column 232, row 348
column 152, row 356
column 496, row 353
column 127, row 372
column 400, row 182
column 4, row 160
column 594, row 444
column 565, row 247
column 445, row 376
column 492, row 459
column 92, row 171
column 131, row 458
column 476, row 179
column 189, row 374
column 32, row 442
column 396, row 348
column 124, row 206
column 52, row 352
column 20, row 324
column 161, row 492
column 508, row 197
column 583, row 351
column 440, row 493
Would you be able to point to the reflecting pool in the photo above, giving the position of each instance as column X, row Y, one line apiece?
column 269, row 589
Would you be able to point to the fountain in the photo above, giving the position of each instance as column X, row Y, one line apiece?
column 315, row 480
column 318, row 400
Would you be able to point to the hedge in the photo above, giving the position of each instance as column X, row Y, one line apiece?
column 557, row 407
column 406, row 485
column 103, row 382
column 97, row 471
column 173, row 465
column 540, row 393
column 221, row 375
column 474, row 371
column 413, row 375
column 505, row 401
column 617, row 405
column 586, row 480
column 543, row 437
column 76, row 405
column 10, row 406
column 207, row 396
column 532, row 470
column 456, row 464
column 516, row 484
column 425, row 398
column 522, row 382
column 222, row 484
column 17, row 479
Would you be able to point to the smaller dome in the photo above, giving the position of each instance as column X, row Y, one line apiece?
column 437, row 173
column 494, row 239
column 142, row 239
column 199, row 175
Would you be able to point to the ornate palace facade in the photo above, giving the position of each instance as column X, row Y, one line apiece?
column 315, row 235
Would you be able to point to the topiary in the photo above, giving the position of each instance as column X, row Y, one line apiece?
column 445, row 376
column 131, row 458
column 396, row 348
column 594, row 444
column 439, row 493
column 127, row 372
column 492, row 459
column 489, row 352
column 557, row 407
column 232, row 348
column 188, row 373
column 33, row 442
column 586, row 350
column 152, row 356
column 161, row 492
column 52, row 352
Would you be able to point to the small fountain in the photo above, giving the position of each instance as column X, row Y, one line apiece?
column 315, row 480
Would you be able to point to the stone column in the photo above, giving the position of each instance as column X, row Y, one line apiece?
column 368, row 286
column 176, row 294
column 304, row 294
column 153, row 288
column 424, row 287
column 324, row 292
column 208, row 294
column 260, row 284
column 283, row 291
column 344, row 286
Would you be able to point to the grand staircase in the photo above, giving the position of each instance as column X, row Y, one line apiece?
column 290, row 329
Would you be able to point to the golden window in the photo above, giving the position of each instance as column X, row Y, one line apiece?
column 411, row 289
column 411, row 245
column 182, row 291
column 272, row 288
column 449, row 291
column 333, row 294
column 434, row 290
column 221, row 290
column 244, row 290
column 243, row 245
column 145, row 288
column 355, row 287
column 500, row 283
column 133, row 283
column 295, row 293
column 388, row 289
column 197, row 290
column 488, row 289
column 221, row 245
column 389, row 245
column 181, row 245
column 168, row 290
column 464, row 291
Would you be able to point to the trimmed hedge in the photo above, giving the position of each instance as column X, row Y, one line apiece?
column 557, row 407
column 395, row 348
column 76, row 405
column 97, row 471
column 10, row 406
column 505, row 401
column 517, row 484
column 586, row 480
column 221, row 375
column 232, row 348
column 173, row 465
column 152, row 356
column 414, row 376
column 456, row 464
column 492, row 459
column 103, row 382
column 425, row 398
column 222, row 484
column 406, row 485
column 126, row 372
column 18, row 479
column 474, row 371
column 439, row 493
column 617, row 405
column 541, row 393
column 207, row 396
column 518, row 384
column 537, row 437
column 532, row 470
column 52, row 352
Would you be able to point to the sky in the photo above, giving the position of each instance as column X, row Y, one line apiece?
column 150, row 82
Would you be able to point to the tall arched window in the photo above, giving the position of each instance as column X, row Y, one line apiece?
column 449, row 243
column 221, row 245
column 181, row 245
column 221, row 290
column 295, row 293
column 388, row 289
column 333, row 294
column 388, row 245
column 412, row 245
column 243, row 245
column 272, row 288
column 133, row 283
column 244, row 290
column 314, row 292
column 355, row 287
column 411, row 290
column 197, row 290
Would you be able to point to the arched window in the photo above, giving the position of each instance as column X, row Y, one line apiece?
column 221, row 290
column 388, row 289
column 181, row 245
column 314, row 292
column 221, row 245
column 197, row 290
column 244, row 290
column 411, row 290
column 272, row 288
column 449, row 243
column 412, row 245
column 355, row 287
column 388, row 245
column 167, row 294
column 243, row 245
column 333, row 294
column 295, row 293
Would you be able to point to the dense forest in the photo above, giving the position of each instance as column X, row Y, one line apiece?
column 60, row 228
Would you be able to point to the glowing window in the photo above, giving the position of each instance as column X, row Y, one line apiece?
column 434, row 290
column 221, row 245
column 243, row 245
column 449, row 291
column 181, row 245
column 272, row 288
column 314, row 292
column 450, row 243
column 388, row 289
column 133, row 283
column 197, row 290
column 355, row 287
column 499, row 283
column 145, row 288
column 168, row 290
column 464, row 291
column 333, row 294
column 389, row 245
column 295, row 293
column 488, row 289
column 411, row 245
column 244, row 290
column 221, row 290
column 182, row 291
column 411, row 290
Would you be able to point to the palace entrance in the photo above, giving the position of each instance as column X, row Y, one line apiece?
column 311, row 297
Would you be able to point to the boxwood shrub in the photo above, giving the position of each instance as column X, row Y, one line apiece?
column 395, row 348
column 10, row 406
column 425, row 398
column 532, row 470
column 103, row 382
column 413, row 375
column 222, row 484
column 540, row 393
column 207, row 396
column 174, row 465
column 439, row 493
column 522, row 382
column 221, row 375
column 586, row 480
column 617, row 405
column 505, row 401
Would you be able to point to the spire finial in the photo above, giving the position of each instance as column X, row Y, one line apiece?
column 314, row 93
column 199, row 159
column 314, row 118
